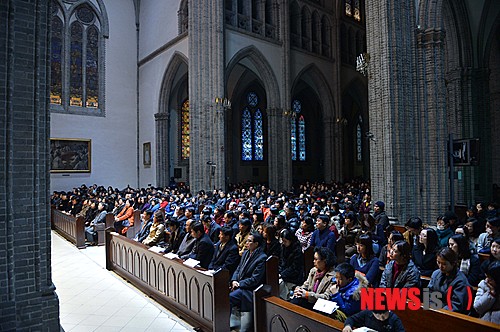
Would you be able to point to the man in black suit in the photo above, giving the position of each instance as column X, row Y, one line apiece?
column 226, row 254
column 203, row 249
column 248, row 276
column 175, row 236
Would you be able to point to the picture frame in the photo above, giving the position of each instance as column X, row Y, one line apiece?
column 70, row 155
column 146, row 154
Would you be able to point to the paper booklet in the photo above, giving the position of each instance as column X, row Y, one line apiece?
column 191, row 262
column 325, row 306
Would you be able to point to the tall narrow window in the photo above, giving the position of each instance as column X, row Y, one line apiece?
column 359, row 141
column 185, row 130
column 298, row 132
column 76, row 54
column 357, row 11
column 252, row 130
column 56, row 43
column 348, row 8
column 77, row 73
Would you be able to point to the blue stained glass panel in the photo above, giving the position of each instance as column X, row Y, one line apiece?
column 246, row 135
column 296, row 106
column 252, row 99
column 76, row 98
column 359, row 148
column 302, row 139
column 92, row 73
column 258, row 136
column 293, row 138
column 56, row 61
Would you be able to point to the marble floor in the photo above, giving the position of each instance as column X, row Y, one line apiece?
column 94, row 299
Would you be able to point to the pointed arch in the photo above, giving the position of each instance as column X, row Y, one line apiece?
column 176, row 61
column 314, row 75
column 264, row 72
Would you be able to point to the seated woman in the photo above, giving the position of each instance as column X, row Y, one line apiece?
column 424, row 253
column 384, row 256
column 448, row 275
column 248, row 276
column 494, row 255
column 365, row 261
column 349, row 232
column 125, row 218
column 272, row 246
column 487, row 302
column 469, row 263
column 317, row 285
column 465, row 232
column 369, row 226
column 443, row 230
column 291, row 264
column 157, row 230
column 400, row 272
column 346, row 292
column 305, row 232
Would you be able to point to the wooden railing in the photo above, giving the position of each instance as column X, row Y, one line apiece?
column 286, row 314
column 200, row 299
column 70, row 227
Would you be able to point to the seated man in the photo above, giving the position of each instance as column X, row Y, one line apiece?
column 248, row 276
column 175, row 235
column 346, row 292
column 187, row 242
column 226, row 254
column 91, row 230
column 203, row 248
column 147, row 221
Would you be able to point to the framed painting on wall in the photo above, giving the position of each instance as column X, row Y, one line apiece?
column 146, row 154
column 70, row 155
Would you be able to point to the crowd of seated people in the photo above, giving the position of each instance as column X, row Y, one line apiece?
column 238, row 230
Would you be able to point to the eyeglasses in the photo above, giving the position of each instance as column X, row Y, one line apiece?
column 249, row 240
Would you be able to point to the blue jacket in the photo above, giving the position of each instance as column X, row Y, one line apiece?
column 251, row 270
column 348, row 297
column 324, row 238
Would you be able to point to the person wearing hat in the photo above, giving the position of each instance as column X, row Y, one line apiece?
column 380, row 215
column 244, row 226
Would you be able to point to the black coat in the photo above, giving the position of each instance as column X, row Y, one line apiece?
column 203, row 251
column 228, row 258
column 273, row 248
column 251, row 270
column 425, row 263
column 291, row 266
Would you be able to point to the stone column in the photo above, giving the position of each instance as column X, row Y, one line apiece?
column 28, row 300
column 434, row 186
column 162, row 152
column 390, row 26
column 206, row 82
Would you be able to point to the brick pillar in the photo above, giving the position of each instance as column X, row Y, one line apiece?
column 390, row 25
column 206, row 82
column 162, row 152
column 28, row 300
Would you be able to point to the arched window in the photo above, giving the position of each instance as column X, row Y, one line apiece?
column 252, row 130
column 76, row 60
column 348, row 7
column 298, row 132
column 183, row 17
column 359, row 140
column 357, row 10
column 185, row 130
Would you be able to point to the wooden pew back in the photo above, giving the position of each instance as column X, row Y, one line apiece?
column 132, row 231
column 70, row 227
column 200, row 299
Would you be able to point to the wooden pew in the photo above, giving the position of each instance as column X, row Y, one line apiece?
column 442, row 320
column 101, row 236
column 272, row 314
column 70, row 227
column 200, row 299
column 132, row 231
column 399, row 228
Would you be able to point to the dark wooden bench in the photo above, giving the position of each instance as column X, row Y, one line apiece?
column 70, row 227
column 100, row 228
column 272, row 314
column 132, row 231
column 200, row 299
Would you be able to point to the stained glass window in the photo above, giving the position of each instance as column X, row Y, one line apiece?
column 348, row 9
column 302, row 138
column 252, row 130
column 258, row 136
column 92, row 73
column 357, row 11
column 293, row 138
column 359, row 135
column 56, row 43
column 185, row 130
column 246, row 135
column 76, row 65
column 76, row 71
column 298, row 132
